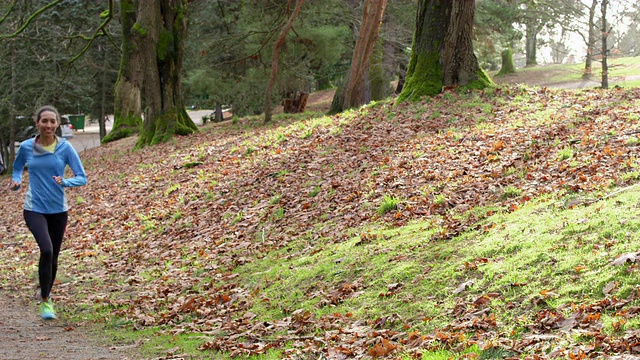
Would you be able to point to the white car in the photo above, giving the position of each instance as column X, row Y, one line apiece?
column 65, row 129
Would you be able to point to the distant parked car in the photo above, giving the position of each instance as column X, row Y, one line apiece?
column 26, row 133
column 65, row 129
column 26, row 129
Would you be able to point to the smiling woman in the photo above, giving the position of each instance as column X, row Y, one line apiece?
column 45, row 207
column 47, row 124
column 29, row 130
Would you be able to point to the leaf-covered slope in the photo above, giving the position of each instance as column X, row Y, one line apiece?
column 161, row 233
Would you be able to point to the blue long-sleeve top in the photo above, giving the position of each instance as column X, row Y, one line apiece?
column 44, row 195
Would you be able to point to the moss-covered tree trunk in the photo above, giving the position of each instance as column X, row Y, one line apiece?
column 128, row 96
column 149, row 79
column 531, row 43
column 442, row 53
column 605, row 34
column 402, row 72
column 163, row 25
column 508, row 66
column 377, row 76
column 591, row 41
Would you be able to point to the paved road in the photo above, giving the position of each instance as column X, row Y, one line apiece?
column 84, row 140
column 90, row 137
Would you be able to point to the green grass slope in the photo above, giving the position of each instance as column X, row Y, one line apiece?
column 493, row 224
column 622, row 71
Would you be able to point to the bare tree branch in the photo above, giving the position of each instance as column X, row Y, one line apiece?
column 2, row 19
column 30, row 19
column 97, row 33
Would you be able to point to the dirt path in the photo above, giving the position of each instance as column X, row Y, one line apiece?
column 23, row 335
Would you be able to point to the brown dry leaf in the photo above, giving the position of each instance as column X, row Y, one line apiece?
column 547, row 294
column 623, row 259
column 609, row 287
column 462, row 287
column 339, row 353
column 383, row 348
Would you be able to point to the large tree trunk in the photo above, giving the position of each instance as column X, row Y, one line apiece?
column 295, row 103
column 219, row 116
column 442, row 54
column 591, row 41
column 127, row 105
column 8, row 153
column 508, row 66
column 377, row 76
column 153, row 33
column 164, row 26
column 605, row 33
column 103, row 93
column 356, row 90
column 14, row 101
column 402, row 70
column 531, row 43
column 274, row 60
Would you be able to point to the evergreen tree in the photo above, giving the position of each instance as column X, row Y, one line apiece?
column 496, row 35
column 40, row 41
column 231, row 64
column 356, row 90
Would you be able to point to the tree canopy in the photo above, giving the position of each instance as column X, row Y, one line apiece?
column 39, row 63
column 227, row 47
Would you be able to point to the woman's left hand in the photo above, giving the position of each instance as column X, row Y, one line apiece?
column 58, row 179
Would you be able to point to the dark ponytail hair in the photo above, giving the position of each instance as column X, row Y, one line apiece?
column 46, row 108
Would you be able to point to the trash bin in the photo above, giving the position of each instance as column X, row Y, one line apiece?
column 77, row 121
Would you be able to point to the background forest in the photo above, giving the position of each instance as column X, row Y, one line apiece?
column 68, row 55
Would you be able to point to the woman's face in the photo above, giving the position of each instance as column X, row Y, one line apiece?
column 47, row 123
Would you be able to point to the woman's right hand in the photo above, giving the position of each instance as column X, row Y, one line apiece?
column 14, row 185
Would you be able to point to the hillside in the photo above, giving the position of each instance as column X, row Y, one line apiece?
column 482, row 222
column 624, row 72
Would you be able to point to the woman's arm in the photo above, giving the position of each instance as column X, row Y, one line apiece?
column 79, row 177
column 18, row 167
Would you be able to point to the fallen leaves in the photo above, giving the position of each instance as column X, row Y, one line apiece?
column 383, row 348
column 169, row 231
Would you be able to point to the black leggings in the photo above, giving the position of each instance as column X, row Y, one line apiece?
column 48, row 229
